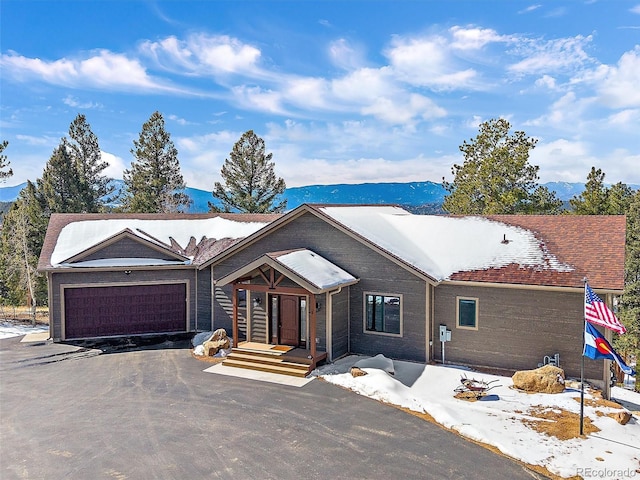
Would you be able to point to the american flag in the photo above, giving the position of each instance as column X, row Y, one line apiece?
column 597, row 312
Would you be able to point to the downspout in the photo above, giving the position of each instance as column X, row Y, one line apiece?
column 213, row 298
column 196, row 292
column 330, row 322
column 432, row 295
column 51, row 302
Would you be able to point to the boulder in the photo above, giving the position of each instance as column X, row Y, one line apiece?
column 379, row 361
column 357, row 372
column 218, row 341
column 622, row 417
column 546, row 379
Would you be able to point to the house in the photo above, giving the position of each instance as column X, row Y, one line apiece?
column 328, row 280
column 133, row 274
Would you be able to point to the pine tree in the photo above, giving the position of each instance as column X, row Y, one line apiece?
column 619, row 199
column 4, row 163
column 21, row 241
column 594, row 199
column 84, row 150
column 59, row 186
column 628, row 344
column 496, row 177
column 154, row 183
column 250, row 183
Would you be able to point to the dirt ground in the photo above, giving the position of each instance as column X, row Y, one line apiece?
column 13, row 314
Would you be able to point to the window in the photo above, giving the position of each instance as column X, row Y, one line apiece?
column 467, row 313
column 383, row 314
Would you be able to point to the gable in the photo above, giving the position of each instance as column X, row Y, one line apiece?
column 127, row 247
column 190, row 238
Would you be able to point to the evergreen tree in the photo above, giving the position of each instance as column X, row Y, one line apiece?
column 21, row 241
column 628, row 344
column 250, row 183
column 154, row 183
column 4, row 163
column 594, row 199
column 59, row 186
column 496, row 177
column 619, row 199
column 84, row 150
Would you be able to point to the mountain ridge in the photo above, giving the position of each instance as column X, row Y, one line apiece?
column 428, row 195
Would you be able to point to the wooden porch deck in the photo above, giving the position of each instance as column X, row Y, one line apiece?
column 271, row 358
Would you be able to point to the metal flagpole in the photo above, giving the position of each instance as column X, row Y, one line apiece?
column 584, row 328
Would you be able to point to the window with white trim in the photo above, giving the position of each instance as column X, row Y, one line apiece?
column 383, row 313
column 467, row 313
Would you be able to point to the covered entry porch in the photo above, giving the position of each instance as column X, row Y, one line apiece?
column 280, row 301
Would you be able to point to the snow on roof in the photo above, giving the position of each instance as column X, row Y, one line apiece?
column 124, row 262
column 79, row 236
column 441, row 246
column 316, row 269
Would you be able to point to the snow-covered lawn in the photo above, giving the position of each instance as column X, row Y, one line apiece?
column 8, row 329
column 499, row 419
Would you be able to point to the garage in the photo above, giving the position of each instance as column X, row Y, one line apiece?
column 103, row 311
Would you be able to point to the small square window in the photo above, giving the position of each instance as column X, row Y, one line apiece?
column 383, row 314
column 467, row 313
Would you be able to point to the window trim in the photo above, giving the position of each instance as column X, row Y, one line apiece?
column 477, row 303
column 364, row 316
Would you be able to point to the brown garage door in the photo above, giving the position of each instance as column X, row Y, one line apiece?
column 130, row 310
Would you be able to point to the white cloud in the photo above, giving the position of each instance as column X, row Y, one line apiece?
column 427, row 62
column 103, row 70
column 567, row 113
column 545, row 57
column 202, row 54
column 38, row 141
column 405, row 111
column 625, row 119
column 530, row 8
column 75, row 103
column 345, row 55
column 562, row 160
column 473, row 38
column 635, row 9
column 179, row 120
column 618, row 85
column 546, row 81
column 116, row 165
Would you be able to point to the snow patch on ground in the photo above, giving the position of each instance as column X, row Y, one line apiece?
column 8, row 329
column 613, row 452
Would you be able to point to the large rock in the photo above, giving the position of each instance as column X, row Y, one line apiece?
column 218, row 341
column 546, row 379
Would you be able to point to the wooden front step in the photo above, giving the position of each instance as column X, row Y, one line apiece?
column 268, row 363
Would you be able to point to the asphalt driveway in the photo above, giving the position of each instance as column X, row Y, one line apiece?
column 150, row 412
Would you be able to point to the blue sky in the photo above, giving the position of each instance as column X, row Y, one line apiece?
column 341, row 91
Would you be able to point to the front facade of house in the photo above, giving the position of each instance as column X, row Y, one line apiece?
column 134, row 274
column 368, row 280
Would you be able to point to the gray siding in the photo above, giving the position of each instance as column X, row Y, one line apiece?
column 127, row 248
column 377, row 274
column 340, row 323
column 516, row 329
column 104, row 278
column 223, row 313
column 203, row 308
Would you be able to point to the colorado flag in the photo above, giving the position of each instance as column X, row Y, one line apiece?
column 596, row 346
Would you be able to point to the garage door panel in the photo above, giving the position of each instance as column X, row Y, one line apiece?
column 125, row 310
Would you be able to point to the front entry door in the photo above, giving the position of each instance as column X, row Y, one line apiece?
column 289, row 323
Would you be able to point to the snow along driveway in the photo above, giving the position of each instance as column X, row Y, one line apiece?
column 612, row 453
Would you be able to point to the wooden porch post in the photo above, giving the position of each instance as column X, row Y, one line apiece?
column 235, row 316
column 312, row 329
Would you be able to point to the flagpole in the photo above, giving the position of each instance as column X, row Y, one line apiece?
column 584, row 328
